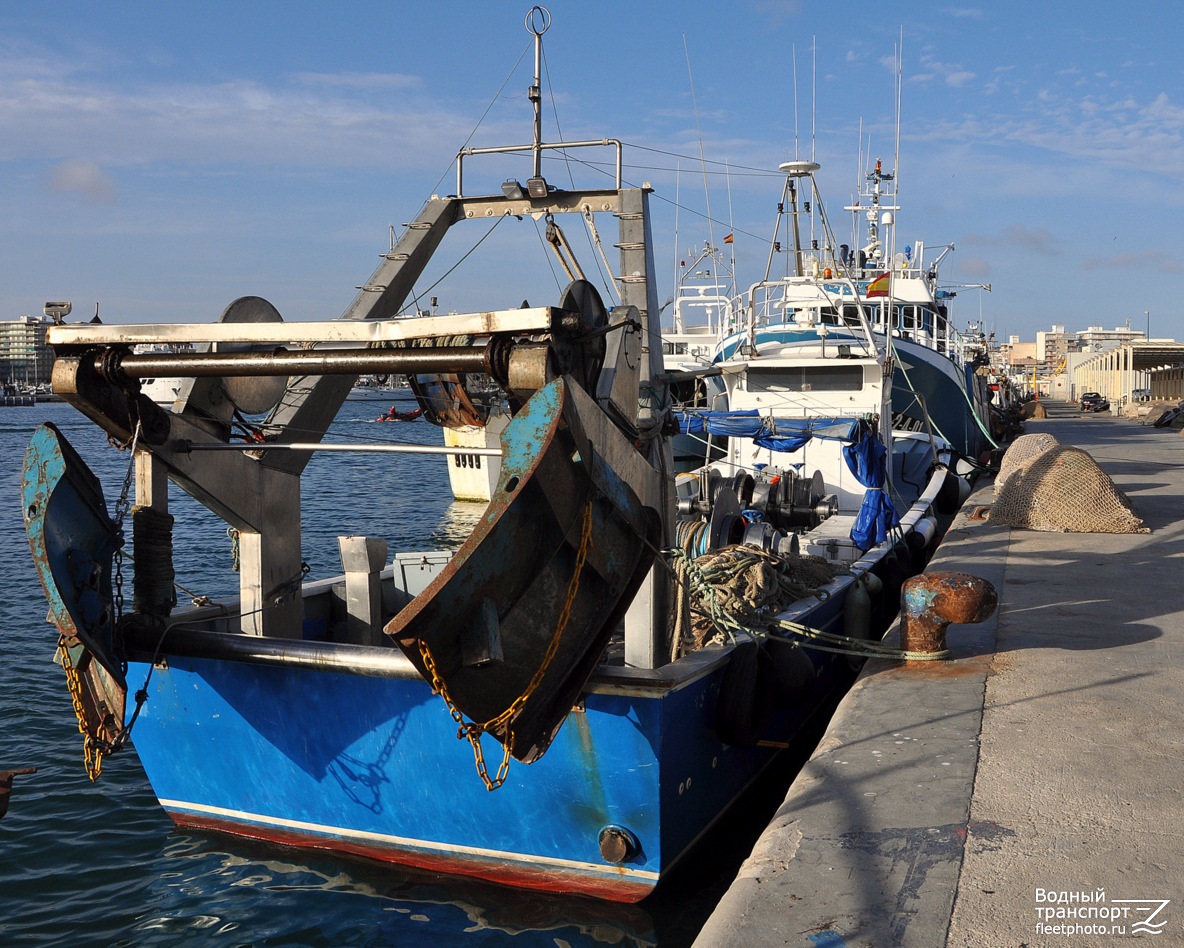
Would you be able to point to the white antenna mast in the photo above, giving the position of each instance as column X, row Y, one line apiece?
column 896, row 158
column 677, row 268
column 858, row 186
column 813, row 122
column 732, row 231
column 702, row 157
column 794, row 59
column 814, row 97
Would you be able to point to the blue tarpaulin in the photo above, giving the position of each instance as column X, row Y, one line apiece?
column 868, row 461
column 776, row 434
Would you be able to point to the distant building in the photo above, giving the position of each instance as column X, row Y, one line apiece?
column 1053, row 348
column 25, row 359
column 1097, row 339
column 1014, row 352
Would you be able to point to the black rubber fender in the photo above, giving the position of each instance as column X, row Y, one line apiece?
column 793, row 673
column 746, row 695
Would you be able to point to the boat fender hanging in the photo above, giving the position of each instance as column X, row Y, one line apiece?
column 894, row 573
column 952, row 494
column 745, row 695
column 875, row 590
column 857, row 617
column 920, row 541
column 793, row 672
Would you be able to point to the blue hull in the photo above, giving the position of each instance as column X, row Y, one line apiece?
column 372, row 766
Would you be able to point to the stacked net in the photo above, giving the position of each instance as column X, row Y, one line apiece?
column 1022, row 451
column 1062, row 490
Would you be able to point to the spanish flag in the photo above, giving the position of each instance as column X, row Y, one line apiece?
column 878, row 287
column 728, row 239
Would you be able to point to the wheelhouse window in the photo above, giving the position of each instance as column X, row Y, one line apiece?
column 810, row 378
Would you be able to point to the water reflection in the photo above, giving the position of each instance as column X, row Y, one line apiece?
column 202, row 880
column 457, row 522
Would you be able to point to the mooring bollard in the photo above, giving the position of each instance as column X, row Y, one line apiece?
column 931, row 601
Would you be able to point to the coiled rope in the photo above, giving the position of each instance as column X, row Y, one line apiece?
column 739, row 589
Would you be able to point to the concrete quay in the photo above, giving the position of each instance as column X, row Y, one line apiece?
column 1030, row 791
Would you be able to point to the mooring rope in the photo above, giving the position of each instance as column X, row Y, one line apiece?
column 726, row 595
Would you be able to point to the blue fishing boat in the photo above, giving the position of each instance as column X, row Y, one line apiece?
column 560, row 703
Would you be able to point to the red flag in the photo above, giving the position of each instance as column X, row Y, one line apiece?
column 728, row 239
column 878, row 287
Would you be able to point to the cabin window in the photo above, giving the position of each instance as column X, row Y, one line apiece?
column 808, row 378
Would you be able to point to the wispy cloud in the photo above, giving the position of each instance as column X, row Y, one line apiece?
column 951, row 74
column 357, row 80
column 1034, row 239
column 84, row 178
column 1154, row 260
column 1089, row 132
column 778, row 11
column 312, row 120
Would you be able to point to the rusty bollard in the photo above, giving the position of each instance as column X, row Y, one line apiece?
column 6, row 785
column 931, row 601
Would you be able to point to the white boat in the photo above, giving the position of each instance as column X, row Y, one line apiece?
column 164, row 390
column 832, row 291
column 473, row 476
column 704, row 295
column 372, row 388
column 804, row 425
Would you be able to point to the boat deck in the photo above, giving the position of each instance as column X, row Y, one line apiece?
column 1029, row 790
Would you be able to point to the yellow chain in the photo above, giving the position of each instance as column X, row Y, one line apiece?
column 92, row 750
column 473, row 730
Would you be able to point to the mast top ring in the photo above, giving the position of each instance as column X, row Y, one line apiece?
column 538, row 20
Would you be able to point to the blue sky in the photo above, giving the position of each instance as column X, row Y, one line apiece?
column 162, row 159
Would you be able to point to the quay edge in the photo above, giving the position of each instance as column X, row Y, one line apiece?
column 1043, row 759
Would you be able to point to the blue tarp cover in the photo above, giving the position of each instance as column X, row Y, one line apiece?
column 868, row 461
column 776, row 434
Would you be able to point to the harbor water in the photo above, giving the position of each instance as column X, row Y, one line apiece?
column 101, row 864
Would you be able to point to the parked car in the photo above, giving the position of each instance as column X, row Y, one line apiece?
column 1140, row 394
column 1094, row 401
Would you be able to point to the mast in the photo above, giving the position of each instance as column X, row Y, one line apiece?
column 537, row 22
